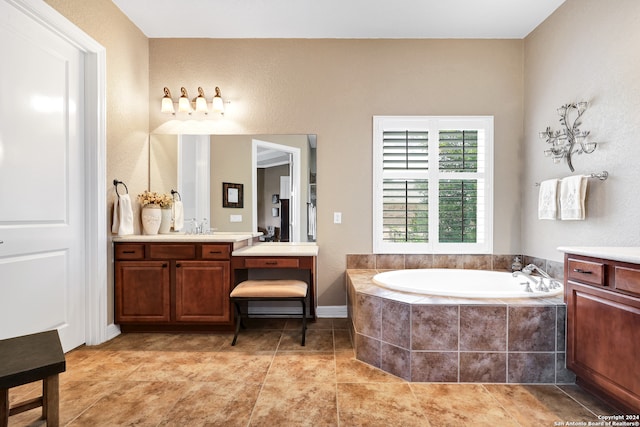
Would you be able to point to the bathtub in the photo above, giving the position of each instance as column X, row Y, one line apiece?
column 461, row 283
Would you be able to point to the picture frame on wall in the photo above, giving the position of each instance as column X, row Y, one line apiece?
column 232, row 195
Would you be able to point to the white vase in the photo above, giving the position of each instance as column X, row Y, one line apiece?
column 165, row 223
column 151, row 218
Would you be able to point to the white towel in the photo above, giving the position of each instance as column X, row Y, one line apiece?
column 548, row 199
column 122, row 216
column 573, row 190
column 178, row 215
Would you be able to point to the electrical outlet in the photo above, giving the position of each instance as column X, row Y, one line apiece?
column 337, row 217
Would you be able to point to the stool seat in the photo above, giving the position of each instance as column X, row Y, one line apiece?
column 27, row 359
column 269, row 290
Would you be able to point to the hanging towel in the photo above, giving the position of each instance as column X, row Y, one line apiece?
column 122, row 216
column 178, row 215
column 573, row 190
column 548, row 199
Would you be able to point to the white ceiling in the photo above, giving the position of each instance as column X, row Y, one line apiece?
column 486, row 19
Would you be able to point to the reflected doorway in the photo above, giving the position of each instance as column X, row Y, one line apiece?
column 276, row 178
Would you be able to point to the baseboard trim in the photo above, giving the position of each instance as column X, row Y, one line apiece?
column 332, row 311
column 325, row 311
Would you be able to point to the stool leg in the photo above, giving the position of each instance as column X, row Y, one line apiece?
column 50, row 401
column 238, row 322
column 304, row 321
column 4, row 407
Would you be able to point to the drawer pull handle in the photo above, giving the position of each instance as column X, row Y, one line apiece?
column 271, row 263
column 215, row 252
column 579, row 270
column 128, row 252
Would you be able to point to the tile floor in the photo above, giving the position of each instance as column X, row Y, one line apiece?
column 268, row 379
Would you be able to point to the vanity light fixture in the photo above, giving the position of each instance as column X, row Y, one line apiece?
column 167, row 102
column 198, row 104
column 216, row 103
column 184, row 106
column 570, row 139
column 201, row 102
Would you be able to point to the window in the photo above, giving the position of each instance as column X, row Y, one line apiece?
column 432, row 184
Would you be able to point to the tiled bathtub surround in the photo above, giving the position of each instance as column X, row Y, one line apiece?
column 473, row 262
column 421, row 338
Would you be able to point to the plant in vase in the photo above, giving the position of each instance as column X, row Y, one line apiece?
column 156, row 210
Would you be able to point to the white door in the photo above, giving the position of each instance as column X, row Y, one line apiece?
column 41, row 181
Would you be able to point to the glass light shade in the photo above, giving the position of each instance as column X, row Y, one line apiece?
column 167, row 106
column 184, row 106
column 201, row 105
column 216, row 103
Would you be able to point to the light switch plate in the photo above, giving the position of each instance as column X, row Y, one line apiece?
column 235, row 218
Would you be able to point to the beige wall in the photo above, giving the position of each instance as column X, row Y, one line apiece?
column 127, row 112
column 231, row 162
column 587, row 50
column 333, row 88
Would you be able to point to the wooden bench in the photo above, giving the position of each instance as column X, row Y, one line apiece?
column 269, row 290
column 27, row 359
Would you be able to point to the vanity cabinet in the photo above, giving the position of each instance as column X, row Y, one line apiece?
column 603, row 328
column 173, row 286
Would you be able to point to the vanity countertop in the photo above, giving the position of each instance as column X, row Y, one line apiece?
column 183, row 237
column 278, row 249
column 616, row 253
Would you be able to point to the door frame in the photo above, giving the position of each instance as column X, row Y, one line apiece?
column 294, row 207
column 95, row 194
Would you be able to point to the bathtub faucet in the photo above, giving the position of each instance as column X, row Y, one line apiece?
column 527, row 275
column 553, row 283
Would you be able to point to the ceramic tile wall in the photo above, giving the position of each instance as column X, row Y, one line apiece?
column 476, row 262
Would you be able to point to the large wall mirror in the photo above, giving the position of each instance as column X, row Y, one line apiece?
column 275, row 175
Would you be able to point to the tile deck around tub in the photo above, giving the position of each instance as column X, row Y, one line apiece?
column 446, row 339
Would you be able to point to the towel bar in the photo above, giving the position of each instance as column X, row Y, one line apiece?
column 116, row 183
column 602, row 176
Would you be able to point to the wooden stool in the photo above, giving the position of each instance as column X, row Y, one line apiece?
column 27, row 359
column 270, row 290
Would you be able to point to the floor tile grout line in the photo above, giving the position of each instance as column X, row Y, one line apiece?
column 483, row 385
column 264, row 380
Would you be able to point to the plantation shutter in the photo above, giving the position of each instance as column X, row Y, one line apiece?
column 405, row 200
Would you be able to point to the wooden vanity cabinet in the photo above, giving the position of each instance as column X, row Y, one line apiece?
column 173, row 286
column 603, row 328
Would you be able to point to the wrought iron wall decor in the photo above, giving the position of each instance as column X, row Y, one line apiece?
column 570, row 139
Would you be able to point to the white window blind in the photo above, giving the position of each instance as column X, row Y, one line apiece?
column 432, row 184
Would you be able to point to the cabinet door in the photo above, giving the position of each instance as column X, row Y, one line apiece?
column 142, row 291
column 202, row 291
column 603, row 341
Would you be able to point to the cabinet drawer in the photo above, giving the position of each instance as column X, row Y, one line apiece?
column 129, row 251
column 627, row 279
column 215, row 252
column 260, row 262
column 163, row 251
column 586, row 271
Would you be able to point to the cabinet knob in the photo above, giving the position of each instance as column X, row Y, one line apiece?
column 178, row 265
column 579, row 270
column 165, row 265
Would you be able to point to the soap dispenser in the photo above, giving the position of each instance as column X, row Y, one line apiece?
column 516, row 265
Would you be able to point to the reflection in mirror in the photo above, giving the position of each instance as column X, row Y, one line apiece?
column 278, row 174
